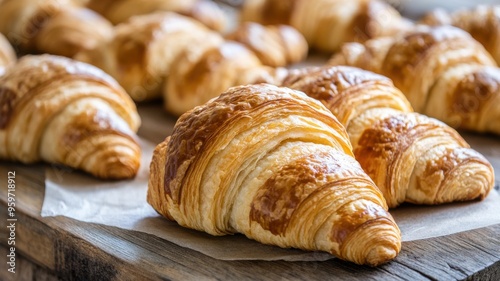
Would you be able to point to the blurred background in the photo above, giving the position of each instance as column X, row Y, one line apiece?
column 416, row 8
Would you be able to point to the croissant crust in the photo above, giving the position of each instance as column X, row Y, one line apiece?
column 56, row 27
column 275, row 165
column 62, row 111
column 442, row 71
column 411, row 157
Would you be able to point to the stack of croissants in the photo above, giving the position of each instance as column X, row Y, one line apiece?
column 304, row 157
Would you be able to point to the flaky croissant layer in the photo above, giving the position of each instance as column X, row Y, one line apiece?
column 62, row 111
column 481, row 21
column 326, row 24
column 276, row 166
column 118, row 11
column 409, row 156
column 56, row 27
column 442, row 70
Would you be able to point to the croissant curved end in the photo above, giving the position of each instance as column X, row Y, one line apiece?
column 119, row 167
column 382, row 248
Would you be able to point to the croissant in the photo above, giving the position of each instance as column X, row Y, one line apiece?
column 482, row 22
column 410, row 157
column 274, row 45
column 140, row 55
column 276, row 166
column 203, row 73
column 443, row 72
column 326, row 24
column 66, row 112
column 7, row 54
column 52, row 26
column 118, row 11
column 205, row 63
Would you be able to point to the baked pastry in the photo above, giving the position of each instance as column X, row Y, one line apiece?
column 443, row 72
column 203, row 73
column 118, row 11
column 140, row 55
column 253, row 54
column 410, row 157
column 274, row 45
column 7, row 54
column 276, row 166
column 52, row 26
column 66, row 112
column 326, row 24
column 482, row 22
column 205, row 63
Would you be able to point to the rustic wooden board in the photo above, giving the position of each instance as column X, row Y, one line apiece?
column 75, row 250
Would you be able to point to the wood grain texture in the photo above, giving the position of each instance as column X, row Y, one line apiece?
column 75, row 250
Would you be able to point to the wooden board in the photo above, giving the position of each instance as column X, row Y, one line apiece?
column 75, row 250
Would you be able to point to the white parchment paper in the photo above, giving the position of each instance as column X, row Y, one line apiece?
column 123, row 204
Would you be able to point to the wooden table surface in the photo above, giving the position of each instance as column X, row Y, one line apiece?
column 74, row 250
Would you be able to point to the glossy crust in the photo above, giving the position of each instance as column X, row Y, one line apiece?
column 277, row 166
column 52, row 26
column 62, row 111
column 410, row 157
column 326, row 24
column 442, row 70
column 482, row 22
column 7, row 54
column 118, row 11
column 274, row 45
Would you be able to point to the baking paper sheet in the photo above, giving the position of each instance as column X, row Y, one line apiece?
column 123, row 204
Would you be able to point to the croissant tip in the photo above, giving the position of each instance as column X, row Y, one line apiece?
column 380, row 255
column 121, row 173
column 119, row 170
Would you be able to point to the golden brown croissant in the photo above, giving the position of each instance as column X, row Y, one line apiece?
column 482, row 22
column 326, row 24
column 409, row 156
column 203, row 73
column 205, row 63
column 276, row 166
column 63, row 111
column 52, row 26
column 7, row 54
column 274, row 45
column 118, row 11
column 443, row 72
column 140, row 55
